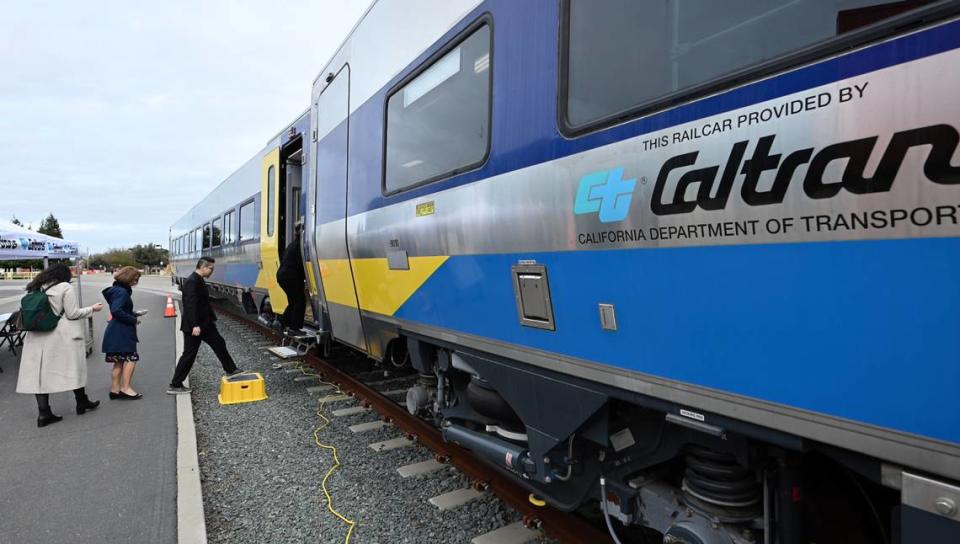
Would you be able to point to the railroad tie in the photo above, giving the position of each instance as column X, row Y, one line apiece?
column 368, row 426
column 392, row 444
column 455, row 498
column 314, row 389
column 515, row 533
column 423, row 467
column 304, row 378
column 335, row 398
column 353, row 410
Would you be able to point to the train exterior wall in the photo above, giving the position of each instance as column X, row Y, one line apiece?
column 806, row 311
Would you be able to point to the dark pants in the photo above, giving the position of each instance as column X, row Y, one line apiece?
column 191, row 344
column 296, row 305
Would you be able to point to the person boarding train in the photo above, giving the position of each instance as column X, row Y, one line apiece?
column 290, row 277
column 199, row 325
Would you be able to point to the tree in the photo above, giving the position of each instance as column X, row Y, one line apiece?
column 16, row 221
column 150, row 255
column 113, row 258
column 51, row 227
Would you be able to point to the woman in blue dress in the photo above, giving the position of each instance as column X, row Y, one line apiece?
column 120, row 337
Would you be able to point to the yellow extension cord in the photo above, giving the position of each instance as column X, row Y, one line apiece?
column 336, row 459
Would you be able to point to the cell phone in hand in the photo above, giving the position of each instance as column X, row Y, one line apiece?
column 139, row 313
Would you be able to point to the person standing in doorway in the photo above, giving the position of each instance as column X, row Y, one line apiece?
column 120, row 337
column 198, row 324
column 290, row 277
column 56, row 360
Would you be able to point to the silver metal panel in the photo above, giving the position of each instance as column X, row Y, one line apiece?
column 897, row 447
column 330, row 239
column 608, row 317
column 397, row 260
column 532, row 292
column 940, row 498
column 409, row 26
column 535, row 205
column 346, row 325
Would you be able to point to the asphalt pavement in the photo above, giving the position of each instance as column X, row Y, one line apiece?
column 108, row 475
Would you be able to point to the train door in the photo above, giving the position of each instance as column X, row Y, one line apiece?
column 271, row 230
column 330, row 121
column 291, row 168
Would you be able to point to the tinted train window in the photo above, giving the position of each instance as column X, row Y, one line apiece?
column 206, row 236
column 623, row 54
column 228, row 228
column 438, row 123
column 216, row 232
column 248, row 222
column 198, row 240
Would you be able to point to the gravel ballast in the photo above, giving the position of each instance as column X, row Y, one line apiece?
column 261, row 469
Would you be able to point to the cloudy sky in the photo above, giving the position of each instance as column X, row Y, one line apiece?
column 117, row 116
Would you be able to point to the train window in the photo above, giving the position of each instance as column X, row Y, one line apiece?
column 248, row 222
column 653, row 51
column 438, row 123
column 216, row 232
column 271, row 199
column 197, row 240
column 206, row 236
column 228, row 228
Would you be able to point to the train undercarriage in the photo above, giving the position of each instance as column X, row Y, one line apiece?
column 639, row 466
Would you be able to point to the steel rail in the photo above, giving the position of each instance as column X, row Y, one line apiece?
column 564, row 526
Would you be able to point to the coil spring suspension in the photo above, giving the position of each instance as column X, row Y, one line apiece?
column 716, row 479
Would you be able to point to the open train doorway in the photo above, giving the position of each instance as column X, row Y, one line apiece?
column 290, row 190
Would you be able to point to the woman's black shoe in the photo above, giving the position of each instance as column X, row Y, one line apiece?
column 87, row 405
column 114, row 396
column 48, row 419
column 124, row 396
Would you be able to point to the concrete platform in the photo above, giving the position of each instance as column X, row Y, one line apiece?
column 109, row 475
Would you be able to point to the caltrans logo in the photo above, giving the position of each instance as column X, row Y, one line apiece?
column 605, row 193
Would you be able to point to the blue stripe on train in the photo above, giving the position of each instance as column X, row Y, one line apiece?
column 524, row 129
column 867, row 330
column 236, row 274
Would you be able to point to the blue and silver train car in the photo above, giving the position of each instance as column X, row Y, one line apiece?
column 245, row 223
column 692, row 262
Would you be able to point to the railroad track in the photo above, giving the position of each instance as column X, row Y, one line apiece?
column 381, row 391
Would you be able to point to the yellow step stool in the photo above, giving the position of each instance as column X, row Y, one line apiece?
column 246, row 387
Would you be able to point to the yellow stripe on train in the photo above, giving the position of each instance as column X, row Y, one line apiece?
column 380, row 289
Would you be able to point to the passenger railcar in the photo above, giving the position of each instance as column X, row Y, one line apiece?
column 245, row 223
column 692, row 262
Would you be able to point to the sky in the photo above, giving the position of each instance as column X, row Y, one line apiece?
column 117, row 116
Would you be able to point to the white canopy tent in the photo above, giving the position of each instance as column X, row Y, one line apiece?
column 18, row 243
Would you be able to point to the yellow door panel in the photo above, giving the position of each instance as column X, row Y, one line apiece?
column 383, row 290
column 379, row 289
column 269, row 232
column 337, row 282
column 311, row 281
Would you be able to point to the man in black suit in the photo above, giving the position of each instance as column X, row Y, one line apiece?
column 290, row 277
column 197, row 325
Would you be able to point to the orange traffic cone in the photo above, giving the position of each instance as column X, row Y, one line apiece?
column 170, row 311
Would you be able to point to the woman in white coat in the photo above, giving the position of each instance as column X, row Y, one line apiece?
column 56, row 360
